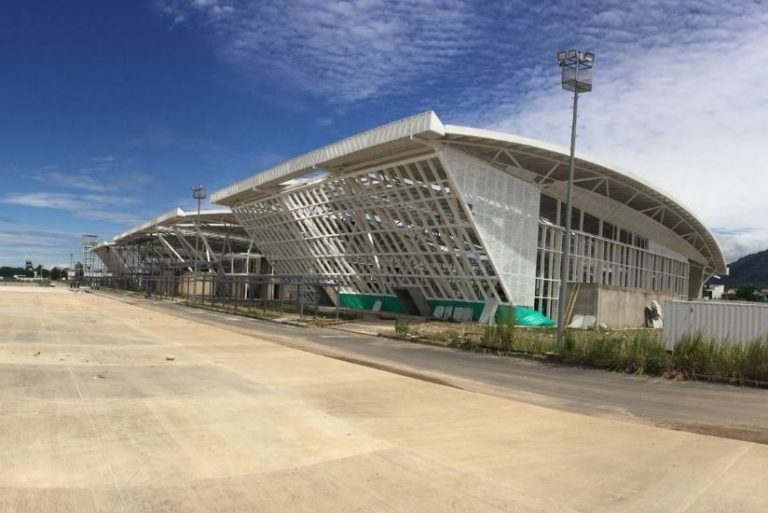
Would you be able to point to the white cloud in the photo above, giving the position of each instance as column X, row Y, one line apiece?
column 682, row 104
column 40, row 246
column 101, row 174
column 344, row 51
column 94, row 180
column 103, row 189
column 679, row 98
column 96, row 207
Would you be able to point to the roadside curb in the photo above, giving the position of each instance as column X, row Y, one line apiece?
column 302, row 345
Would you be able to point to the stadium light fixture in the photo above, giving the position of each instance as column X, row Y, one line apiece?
column 577, row 77
column 198, row 193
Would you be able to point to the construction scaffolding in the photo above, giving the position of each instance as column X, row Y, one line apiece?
column 93, row 267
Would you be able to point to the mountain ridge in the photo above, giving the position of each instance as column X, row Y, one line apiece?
column 750, row 269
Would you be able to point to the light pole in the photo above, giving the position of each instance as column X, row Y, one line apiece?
column 577, row 77
column 198, row 193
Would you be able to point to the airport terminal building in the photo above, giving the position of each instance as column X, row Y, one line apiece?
column 417, row 216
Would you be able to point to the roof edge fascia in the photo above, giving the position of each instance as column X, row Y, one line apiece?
column 420, row 124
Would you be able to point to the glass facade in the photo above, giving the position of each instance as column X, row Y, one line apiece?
column 601, row 253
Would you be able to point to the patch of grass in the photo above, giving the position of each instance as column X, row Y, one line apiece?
column 534, row 341
column 753, row 363
column 508, row 338
column 440, row 337
column 695, row 357
column 639, row 352
column 404, row 327
column 499, row 336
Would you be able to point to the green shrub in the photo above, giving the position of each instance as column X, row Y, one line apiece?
column 631, row 351
column 499, row 336
column 753, row 364
column 403, row 327
column 656, row 364
column 534, row 341
column 456, row 339
column 694, row 356
column 440, row 337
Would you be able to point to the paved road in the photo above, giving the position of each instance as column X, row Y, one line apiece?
column 110, row 407
column 719, row 410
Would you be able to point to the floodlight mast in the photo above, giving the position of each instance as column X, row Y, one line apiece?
column 198, row 193
column 577, row 77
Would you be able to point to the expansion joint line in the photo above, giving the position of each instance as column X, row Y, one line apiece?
column 98, row 437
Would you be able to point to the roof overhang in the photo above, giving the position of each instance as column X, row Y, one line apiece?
column 214, row 223
column 401, row 136
column 633, row 199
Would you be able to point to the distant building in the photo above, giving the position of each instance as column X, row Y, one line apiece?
column 714, row 291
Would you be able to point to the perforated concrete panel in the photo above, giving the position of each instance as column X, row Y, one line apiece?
column 505, row 211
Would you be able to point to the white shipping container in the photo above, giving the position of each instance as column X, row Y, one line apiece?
column 726, row 321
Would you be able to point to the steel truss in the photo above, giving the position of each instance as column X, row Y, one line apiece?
column 166, row 245
column 378, row 229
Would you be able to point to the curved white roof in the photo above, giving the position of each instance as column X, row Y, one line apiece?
column 221, row 222
column 636, row 204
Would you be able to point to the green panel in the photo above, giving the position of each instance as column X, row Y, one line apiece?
column 392, row 304
column 477, row 308
column 366, row 301
column 505, row 313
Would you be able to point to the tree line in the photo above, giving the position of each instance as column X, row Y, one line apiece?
column 29, row 271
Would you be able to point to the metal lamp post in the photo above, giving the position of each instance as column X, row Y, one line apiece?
column 198, row 193
column 577, row 77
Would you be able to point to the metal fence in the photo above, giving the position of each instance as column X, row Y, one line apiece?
column 282, row 293
column 724, row 321
column 26, row 283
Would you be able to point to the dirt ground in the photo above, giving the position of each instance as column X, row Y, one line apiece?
column 112, row 407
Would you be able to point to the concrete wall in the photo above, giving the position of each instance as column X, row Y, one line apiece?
column 586, row 300
column 188, row 286
column 616, row 307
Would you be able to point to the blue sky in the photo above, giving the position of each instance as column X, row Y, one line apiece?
column 111, row 111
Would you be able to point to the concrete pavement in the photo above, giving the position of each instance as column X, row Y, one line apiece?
column 97, row 418
column 720, row 410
